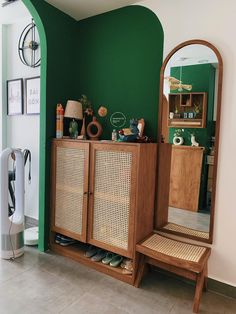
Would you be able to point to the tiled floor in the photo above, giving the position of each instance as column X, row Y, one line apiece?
column 193, row 220
column 47, row 283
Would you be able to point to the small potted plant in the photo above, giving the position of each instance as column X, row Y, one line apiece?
column 87, row 106
column 88, row 114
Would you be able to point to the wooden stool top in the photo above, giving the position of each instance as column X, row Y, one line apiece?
column 174, row 252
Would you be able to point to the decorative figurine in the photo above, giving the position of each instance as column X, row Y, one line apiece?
column 193, row 141
column 130, row 134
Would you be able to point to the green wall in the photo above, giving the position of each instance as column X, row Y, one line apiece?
column 113, row 58
column 119, row 64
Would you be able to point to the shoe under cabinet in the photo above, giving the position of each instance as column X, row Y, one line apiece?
column 102, row 195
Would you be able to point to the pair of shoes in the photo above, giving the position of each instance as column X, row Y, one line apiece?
column 91, row 251
column 95, row 253
column 63, row 240
column 99, row 255
column 127, row 266
column 115, row 262
column 108, row 258
column 112, row 259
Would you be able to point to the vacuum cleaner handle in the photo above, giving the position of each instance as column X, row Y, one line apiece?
column 19, row 188
column 4, row 185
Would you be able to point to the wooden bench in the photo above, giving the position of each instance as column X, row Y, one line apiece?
column 183, row 259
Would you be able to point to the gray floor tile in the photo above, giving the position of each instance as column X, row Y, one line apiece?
column 47, row 283
column 92, row 304
column 131, row 299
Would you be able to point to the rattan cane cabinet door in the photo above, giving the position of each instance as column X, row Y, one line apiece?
column 70, row 175
column 112, row 197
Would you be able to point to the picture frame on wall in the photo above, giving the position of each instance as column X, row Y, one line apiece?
column 15, row 97
column 32, row 95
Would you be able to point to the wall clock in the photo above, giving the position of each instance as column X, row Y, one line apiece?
column 29, row 46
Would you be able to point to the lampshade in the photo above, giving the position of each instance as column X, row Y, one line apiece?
column 74, row 110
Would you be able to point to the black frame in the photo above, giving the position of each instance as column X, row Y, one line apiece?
column 26, row 96
column 21, row 97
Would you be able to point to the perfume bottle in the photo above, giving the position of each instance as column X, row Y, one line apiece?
column 114, row 136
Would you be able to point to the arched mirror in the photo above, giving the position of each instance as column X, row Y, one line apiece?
column 189, row 124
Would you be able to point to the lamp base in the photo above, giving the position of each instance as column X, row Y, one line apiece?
column 73, row 129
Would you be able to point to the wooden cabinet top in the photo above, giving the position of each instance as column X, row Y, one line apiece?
column 67, row 139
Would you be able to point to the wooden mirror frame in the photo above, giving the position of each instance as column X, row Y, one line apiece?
column 164, row 154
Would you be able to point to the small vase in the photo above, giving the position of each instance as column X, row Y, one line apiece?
column 178, row 140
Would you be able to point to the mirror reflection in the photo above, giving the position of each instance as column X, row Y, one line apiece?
column 188, row 123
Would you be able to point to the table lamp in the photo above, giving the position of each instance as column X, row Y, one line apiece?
column 73, row 110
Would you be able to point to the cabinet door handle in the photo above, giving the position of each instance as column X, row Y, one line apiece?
column 90, row 193
column 85, row 193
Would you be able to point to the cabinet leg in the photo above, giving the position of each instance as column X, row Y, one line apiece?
column 141, row 271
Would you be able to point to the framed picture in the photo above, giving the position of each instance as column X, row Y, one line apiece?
column 32, row 91
column 15, row 97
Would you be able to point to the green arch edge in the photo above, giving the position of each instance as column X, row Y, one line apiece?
column 42, row 245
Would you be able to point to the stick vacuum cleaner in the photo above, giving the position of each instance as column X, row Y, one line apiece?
column 11, row 228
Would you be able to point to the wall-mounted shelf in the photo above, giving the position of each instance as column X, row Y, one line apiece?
column 187, row 110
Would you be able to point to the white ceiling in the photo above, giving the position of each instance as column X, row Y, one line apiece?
column 80, row 9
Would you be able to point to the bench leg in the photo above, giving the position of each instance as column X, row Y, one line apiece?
column 141, row 271
column 205, row 287
column 198, row 290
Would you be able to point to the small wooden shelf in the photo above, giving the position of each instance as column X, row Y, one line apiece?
column 189, row 110
column 77, row 251
column 190, row 123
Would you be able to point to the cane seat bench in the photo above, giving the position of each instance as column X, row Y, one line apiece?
column 184, row 259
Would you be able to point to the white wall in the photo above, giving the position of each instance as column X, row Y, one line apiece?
column 12, row 13
column 22, row 131
column 212, row 21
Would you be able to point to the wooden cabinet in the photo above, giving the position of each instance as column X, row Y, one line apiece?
column 103, row 194
column 185, row 177
column 187, row 110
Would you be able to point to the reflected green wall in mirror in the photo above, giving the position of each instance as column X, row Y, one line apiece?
column 202, row 79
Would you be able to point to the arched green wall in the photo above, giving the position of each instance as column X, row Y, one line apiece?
column 119, row 61
column 114, row 58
